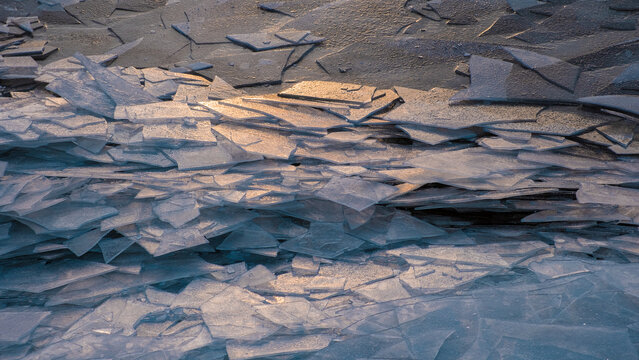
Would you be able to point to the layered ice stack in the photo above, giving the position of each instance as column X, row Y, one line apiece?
column 166, row 213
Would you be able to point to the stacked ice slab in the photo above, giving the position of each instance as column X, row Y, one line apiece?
column 325, row 221
column 19, row 52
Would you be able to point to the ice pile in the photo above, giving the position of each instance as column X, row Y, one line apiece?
column 156, row 214
column 312, row 221
column 19, row 52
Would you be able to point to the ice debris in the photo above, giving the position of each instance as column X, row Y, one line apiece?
column 165, row 213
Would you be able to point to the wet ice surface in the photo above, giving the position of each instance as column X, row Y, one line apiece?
column 156, row 203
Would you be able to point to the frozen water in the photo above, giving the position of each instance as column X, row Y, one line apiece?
column 232, row 314
column 431, row 108
column 267, row 41
column 324, row 240
column 331, row 91
column 19, row 323
column 278, row 347
column 41, row 277
column 354, row 193
column 552, row 69
column 226, row 186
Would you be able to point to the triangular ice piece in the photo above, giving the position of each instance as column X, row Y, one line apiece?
column 554, row 70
